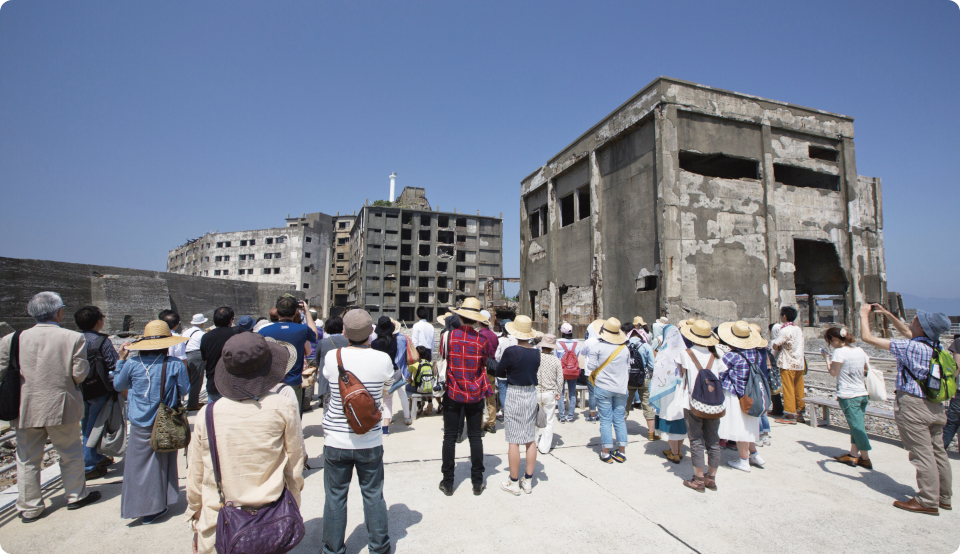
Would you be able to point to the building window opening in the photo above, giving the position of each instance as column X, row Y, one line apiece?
column 647, row 283
column 443, row 297
column 461, row 256
column 405, row 249
column 441, row 267
column 424, row 297
column 276, row 271
column 269, row 241
column 821, row 153
column 406, row 314
column 309, row 239
column 306, row 285
column 406, row 219
column 567, row 210
column 424, row 266
column 533, row 304
column 820, row 281
column 406, row 234
column 340, row 256
column 443, row 221
column 793, row 176
column 404, row 280
column 719, row 165
column 583, row 199
column 424, row 249
column 404, row 265
column 425, row 235
column 441, row 282
column 423, row 281
column 445, row 237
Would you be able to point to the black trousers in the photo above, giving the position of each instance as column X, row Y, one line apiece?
column 195, row 369
column 454, row 414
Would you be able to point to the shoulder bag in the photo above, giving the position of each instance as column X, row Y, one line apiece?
column 593, row 375
column 171, row 429
column 359, row 407
column 876, row 386
column 272, row 529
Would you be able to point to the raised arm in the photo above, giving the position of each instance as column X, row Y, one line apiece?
column 867, row 336
column 901, row 327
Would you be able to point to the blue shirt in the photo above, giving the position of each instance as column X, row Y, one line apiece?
column 402, row 356
column 913, row 363
column 646, row 355
column 296, row 334
column 141, row 374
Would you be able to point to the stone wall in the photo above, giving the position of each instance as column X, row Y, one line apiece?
column 128, row 297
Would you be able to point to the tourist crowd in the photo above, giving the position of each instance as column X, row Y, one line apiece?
column 249, row 381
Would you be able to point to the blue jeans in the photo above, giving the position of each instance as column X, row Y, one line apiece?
column 338, row 465
column 571, row 398
column 213, row 397
column 502, row 389
column 591, row 396
column 612, row 406
column 91, row 410
column 953, row 422
column 764, row 424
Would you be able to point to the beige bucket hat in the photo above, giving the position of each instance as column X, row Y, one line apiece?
column 549, row 341
column 521, row 328
column 470, row 309
column 699, row 332
column 738, row 334
column 610, row 331
column 156, row 335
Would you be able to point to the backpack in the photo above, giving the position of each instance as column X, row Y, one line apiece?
column 569, row 363
column 423, row 377
column 97, row 383
column 638, row 372
column 706, row 397
column 941, row 382
column 362, row 412
column 756, row 394
column 10, row 386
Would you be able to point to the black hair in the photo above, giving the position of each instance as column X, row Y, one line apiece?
column 222, row 316
column 789, row 312
column 770, row 327
column 171, row 318
column 333, row 325
column 423, row 312
column 159, row 352
column 497, row 328
column 261, row 318
column 357, row 343
column 386, row 341
column 87, row 317
column 566, row 335
column 424, row 353
column 287, row 306
column 627, row 327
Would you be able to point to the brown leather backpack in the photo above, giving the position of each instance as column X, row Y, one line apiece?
column 361, row 410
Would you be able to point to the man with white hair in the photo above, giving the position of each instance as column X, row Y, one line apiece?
column 52, row 363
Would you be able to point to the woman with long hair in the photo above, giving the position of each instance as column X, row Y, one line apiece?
column 386, row 341
column 849, row 364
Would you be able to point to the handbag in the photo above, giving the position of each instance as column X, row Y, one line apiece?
column 412, row 355
column 541, row 415
column 876, row 386
column 272, row 529
column 440, row 375
column 171, row 429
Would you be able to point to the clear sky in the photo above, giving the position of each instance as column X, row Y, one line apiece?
column 127, row 128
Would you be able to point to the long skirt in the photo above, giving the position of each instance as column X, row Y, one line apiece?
column 736, row 425
column 150, row 480
column 520, row 414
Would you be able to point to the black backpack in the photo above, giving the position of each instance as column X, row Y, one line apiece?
column 97, row 382
column 10, row 386
column 638, row 373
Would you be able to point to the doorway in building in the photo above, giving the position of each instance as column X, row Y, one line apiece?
column 821, row 283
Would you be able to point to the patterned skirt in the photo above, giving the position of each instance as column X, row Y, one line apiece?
column 520, row 414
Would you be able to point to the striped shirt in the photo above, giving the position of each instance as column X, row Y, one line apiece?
column 372, row 368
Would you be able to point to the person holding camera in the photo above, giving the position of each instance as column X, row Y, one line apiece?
column 297, row 334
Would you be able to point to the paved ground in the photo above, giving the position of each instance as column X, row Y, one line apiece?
column 802, row 502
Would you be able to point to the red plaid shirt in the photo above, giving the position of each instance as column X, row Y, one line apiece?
column 467, row 366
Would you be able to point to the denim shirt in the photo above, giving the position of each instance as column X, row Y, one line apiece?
column 143, row 400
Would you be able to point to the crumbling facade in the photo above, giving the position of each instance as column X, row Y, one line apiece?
column 402, row 258
column 340, row 268
column 691, row 200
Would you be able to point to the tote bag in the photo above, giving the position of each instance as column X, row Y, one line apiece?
column 876, row 386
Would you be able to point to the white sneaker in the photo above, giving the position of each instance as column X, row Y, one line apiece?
column 767, row 441
column 741, row 464
column 526, row 485
column 513, row 487
column 756, row 460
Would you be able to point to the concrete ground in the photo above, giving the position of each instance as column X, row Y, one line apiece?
column 802, row 501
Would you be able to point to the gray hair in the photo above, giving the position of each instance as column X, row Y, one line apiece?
column 44, row 306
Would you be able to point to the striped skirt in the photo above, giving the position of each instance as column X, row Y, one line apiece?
column 520, row 414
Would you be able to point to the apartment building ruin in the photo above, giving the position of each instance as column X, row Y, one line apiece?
column 407, row 255
column 340, row 267
column 692, row 200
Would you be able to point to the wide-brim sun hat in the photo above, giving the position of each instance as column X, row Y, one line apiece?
column 699, row 332
column 595, row 326
column 251, row 364
column 610, row 332
column 739, row 334
column 156, row 335
column 639, row 321
column 442, row 318
column 471, row 309
column 396, row 326
column 763, row 342
column 521, row 328
column 549, row 341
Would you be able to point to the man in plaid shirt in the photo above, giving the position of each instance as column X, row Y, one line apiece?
column 919, row 421
column 467, row 387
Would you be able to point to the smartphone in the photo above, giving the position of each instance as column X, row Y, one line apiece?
column 824, row 351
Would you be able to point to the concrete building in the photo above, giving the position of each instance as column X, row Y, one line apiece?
column 408, row 255
column 692, row 200
column 298, row 255
column 340, row 267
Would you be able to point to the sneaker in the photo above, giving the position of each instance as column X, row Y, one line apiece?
column 618, row 456
column 756, row 460
column 766, row 441
column 562, row 419
column 741, row 464
column 607, row 460
column 511, row 486
column 147, row 520
column 526, row 484
column 499, row 416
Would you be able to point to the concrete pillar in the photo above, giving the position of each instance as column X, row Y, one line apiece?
column 596, row 200
column 770, row 216
column 853, row 269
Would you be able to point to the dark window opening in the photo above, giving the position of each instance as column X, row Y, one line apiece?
column 820, row 281
column 821, row 153
column 306, row 285
column 567, row 215
column 441, row 267
column 407, row 218
column 793, row 176
column 445, row 251
column 424, row 235
column 309, row 239
column 389, row 247
column 461, row 222
column 406, row 234
column 404, row 265
column 424, row 220
column 460, row 269
column 441, row 282
column 461, row 286
column 424, row 250
column 647, row 283
column 443, row 221
column 443, row 297
column 719, row 165
column 392, row 215
column 583, row 196
column 534, row 219
column 445, row 237
column 404, row 280
column 423, row 281
column 424, row 266
column 405, row 249
column 340, row 255
column 461, row 256
column 406, row 314
column 424, row 297
column 533, row 304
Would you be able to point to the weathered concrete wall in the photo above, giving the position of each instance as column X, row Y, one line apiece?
column 123, row 293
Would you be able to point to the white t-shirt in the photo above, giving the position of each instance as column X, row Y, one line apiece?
column 423, row 334
column 195, row 334
column 850, row 382
column 703, row 356
column 373, row 368
column 504, row 342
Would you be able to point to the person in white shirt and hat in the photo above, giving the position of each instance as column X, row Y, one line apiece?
column 194, row 360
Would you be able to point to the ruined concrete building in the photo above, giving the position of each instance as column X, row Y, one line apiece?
column 691, row 200
column 402, row 258
column 339, row 270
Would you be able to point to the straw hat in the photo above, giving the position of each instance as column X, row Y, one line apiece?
column 686, row 323
column 470, row 309
column 610, row 332
column 442, row 318
column 699, row 332
column 763, row 342
column 595, row 326
column 251, row 365
column 739, row 334
column 156, row 335
column 520, row 328
column 639, row 321
column 396, row 326
column 549, row 341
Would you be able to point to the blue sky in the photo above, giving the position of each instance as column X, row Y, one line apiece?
column 128, row 127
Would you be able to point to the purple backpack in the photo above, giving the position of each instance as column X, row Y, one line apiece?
column 272, row 529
